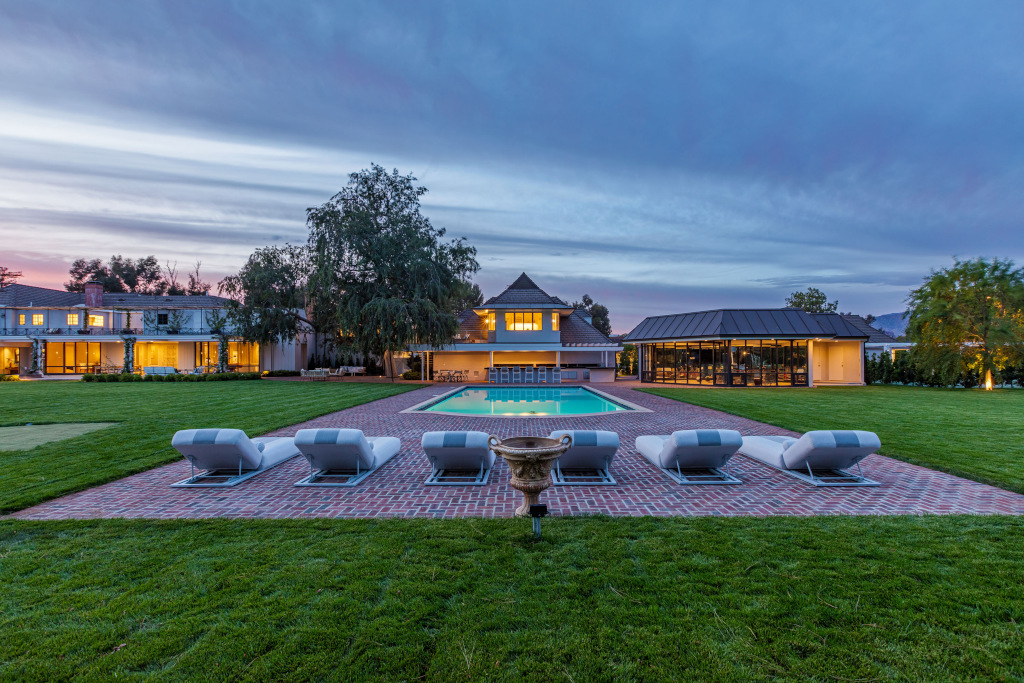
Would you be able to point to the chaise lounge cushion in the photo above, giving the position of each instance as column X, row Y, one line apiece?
column 226, row 449
column 458, row 450
column 345, row 449
column 822, row 449
column 590, row 449
column 691, row 449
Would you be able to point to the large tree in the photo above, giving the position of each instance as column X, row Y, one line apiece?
column 469, row 296
column 812, row 301
column 120, row 274
column 379, row 271
column 268, row 295
column 8, row 276
column 968, row 318
column 598, row 314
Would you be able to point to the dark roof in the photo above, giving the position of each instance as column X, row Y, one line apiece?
column 26, row 296
column 874, row 334
column 524, row 292
column 750, row 322
column 575, row 331
column 471, row 323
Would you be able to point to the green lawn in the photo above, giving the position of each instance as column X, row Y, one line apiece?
column 597, row 599
column 972, row 434
column 147, row 414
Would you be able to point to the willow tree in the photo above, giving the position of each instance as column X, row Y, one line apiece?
column 268, row 296
column 380, row 272
column 968, row 317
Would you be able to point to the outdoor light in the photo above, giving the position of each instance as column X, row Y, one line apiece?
column 537, row 511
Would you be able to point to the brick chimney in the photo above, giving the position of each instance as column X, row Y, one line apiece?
column 93, row 294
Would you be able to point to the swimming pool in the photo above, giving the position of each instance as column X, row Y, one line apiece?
column 525, row 402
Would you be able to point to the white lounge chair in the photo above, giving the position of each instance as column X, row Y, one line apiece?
column 820, row 458
column 694, row 456
column 343, row 457
column 227, row 456
column 589, row 459
column 458, row 458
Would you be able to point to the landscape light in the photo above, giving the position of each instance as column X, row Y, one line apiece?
column 537, row 511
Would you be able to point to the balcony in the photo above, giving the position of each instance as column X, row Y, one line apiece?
column 99, row 332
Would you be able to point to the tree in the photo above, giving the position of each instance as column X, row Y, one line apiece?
column 268, row 295
column 196, row 286
column 598, row 314
column 468, row 296
column 8, row 276
column 122, row 274
column 82, row 271
column 968, row 319
column 379, row 271
column 812, row 301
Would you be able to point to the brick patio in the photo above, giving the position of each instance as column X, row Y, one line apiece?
column 397, row 489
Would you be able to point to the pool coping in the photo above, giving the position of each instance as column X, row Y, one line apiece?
column 419, row 408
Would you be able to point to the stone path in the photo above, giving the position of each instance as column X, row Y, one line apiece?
column 397, row 490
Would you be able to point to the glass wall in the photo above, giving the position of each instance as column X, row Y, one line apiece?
column 741, row 362
column 242, row 357
column 72, row 358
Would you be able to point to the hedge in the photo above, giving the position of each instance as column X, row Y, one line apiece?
column 211, row 377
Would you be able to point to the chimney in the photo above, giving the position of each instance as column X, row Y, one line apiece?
column 93, row 294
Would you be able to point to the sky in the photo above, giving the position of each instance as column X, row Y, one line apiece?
column 661, row 157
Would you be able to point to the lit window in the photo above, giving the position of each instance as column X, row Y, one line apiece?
column 96, row 321
column 554, row 320
column 21, row 319
column 490, row 321
column 37, row 318
column 524, row 321
column 72, row 319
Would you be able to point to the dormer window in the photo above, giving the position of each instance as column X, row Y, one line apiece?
column 524, row 321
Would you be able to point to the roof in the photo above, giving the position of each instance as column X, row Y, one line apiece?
column 874, row 334
column 748, row 322
column 574, row 330
column 26, row 296
column 524, row 292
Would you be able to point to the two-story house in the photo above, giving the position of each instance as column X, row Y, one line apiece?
column 523, row 327
column 71, row 333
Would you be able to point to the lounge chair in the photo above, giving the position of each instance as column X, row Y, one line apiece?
column 694, row 456
column 589, row 459
column 343, row 457
column 458, row 458
column 227, row 456
column 820, row 458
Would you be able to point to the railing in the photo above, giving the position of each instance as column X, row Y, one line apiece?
column 100, row 331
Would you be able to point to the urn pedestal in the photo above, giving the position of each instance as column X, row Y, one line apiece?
column 530, row 458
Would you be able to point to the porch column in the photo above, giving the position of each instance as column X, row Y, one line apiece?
column 558, row 359
column 810, row 363
column 423, row 365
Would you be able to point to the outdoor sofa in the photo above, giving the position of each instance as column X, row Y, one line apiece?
column 458, row 458
column 589, row 459
column 821, row 458
column 343, row 457
column 227, row 457
column 693, row 456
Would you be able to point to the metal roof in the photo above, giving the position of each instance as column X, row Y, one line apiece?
column 744, row 322
column 874, row 334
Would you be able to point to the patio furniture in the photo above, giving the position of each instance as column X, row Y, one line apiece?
column 492, row 375
column 589, row 459
column 342, row 457
column 820, row 458
column 228, row 455
column 542, row 375
column 458, row 458
column 528, row 375
column 693, row 456
column 556, row 375
column 517, row 375
column 159, row 370
column 504, row 374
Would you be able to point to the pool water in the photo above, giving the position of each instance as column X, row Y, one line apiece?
column 525, row 401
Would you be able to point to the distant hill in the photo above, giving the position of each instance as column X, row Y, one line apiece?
column 891, row 323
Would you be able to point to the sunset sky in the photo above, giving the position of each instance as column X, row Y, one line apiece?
column 660, row 157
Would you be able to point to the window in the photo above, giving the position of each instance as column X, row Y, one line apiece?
column 96, row 321
column 21, row 319
column 489, row 320
column 161, row 318
column 72, row 319
column 554, row 320
column 523, row 321
column 37, row 318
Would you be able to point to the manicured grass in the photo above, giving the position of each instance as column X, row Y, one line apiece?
column 147, row 414
column 972, row 434
column 597, row 599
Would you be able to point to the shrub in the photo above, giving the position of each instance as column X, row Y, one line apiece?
column 9, row 378
column 411, row 374
column 282, row 373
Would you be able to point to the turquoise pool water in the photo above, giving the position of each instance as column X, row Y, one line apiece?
column 525, row 401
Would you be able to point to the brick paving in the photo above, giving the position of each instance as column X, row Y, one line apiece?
column 397, row 490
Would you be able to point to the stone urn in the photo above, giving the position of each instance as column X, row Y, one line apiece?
column 530, row 458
